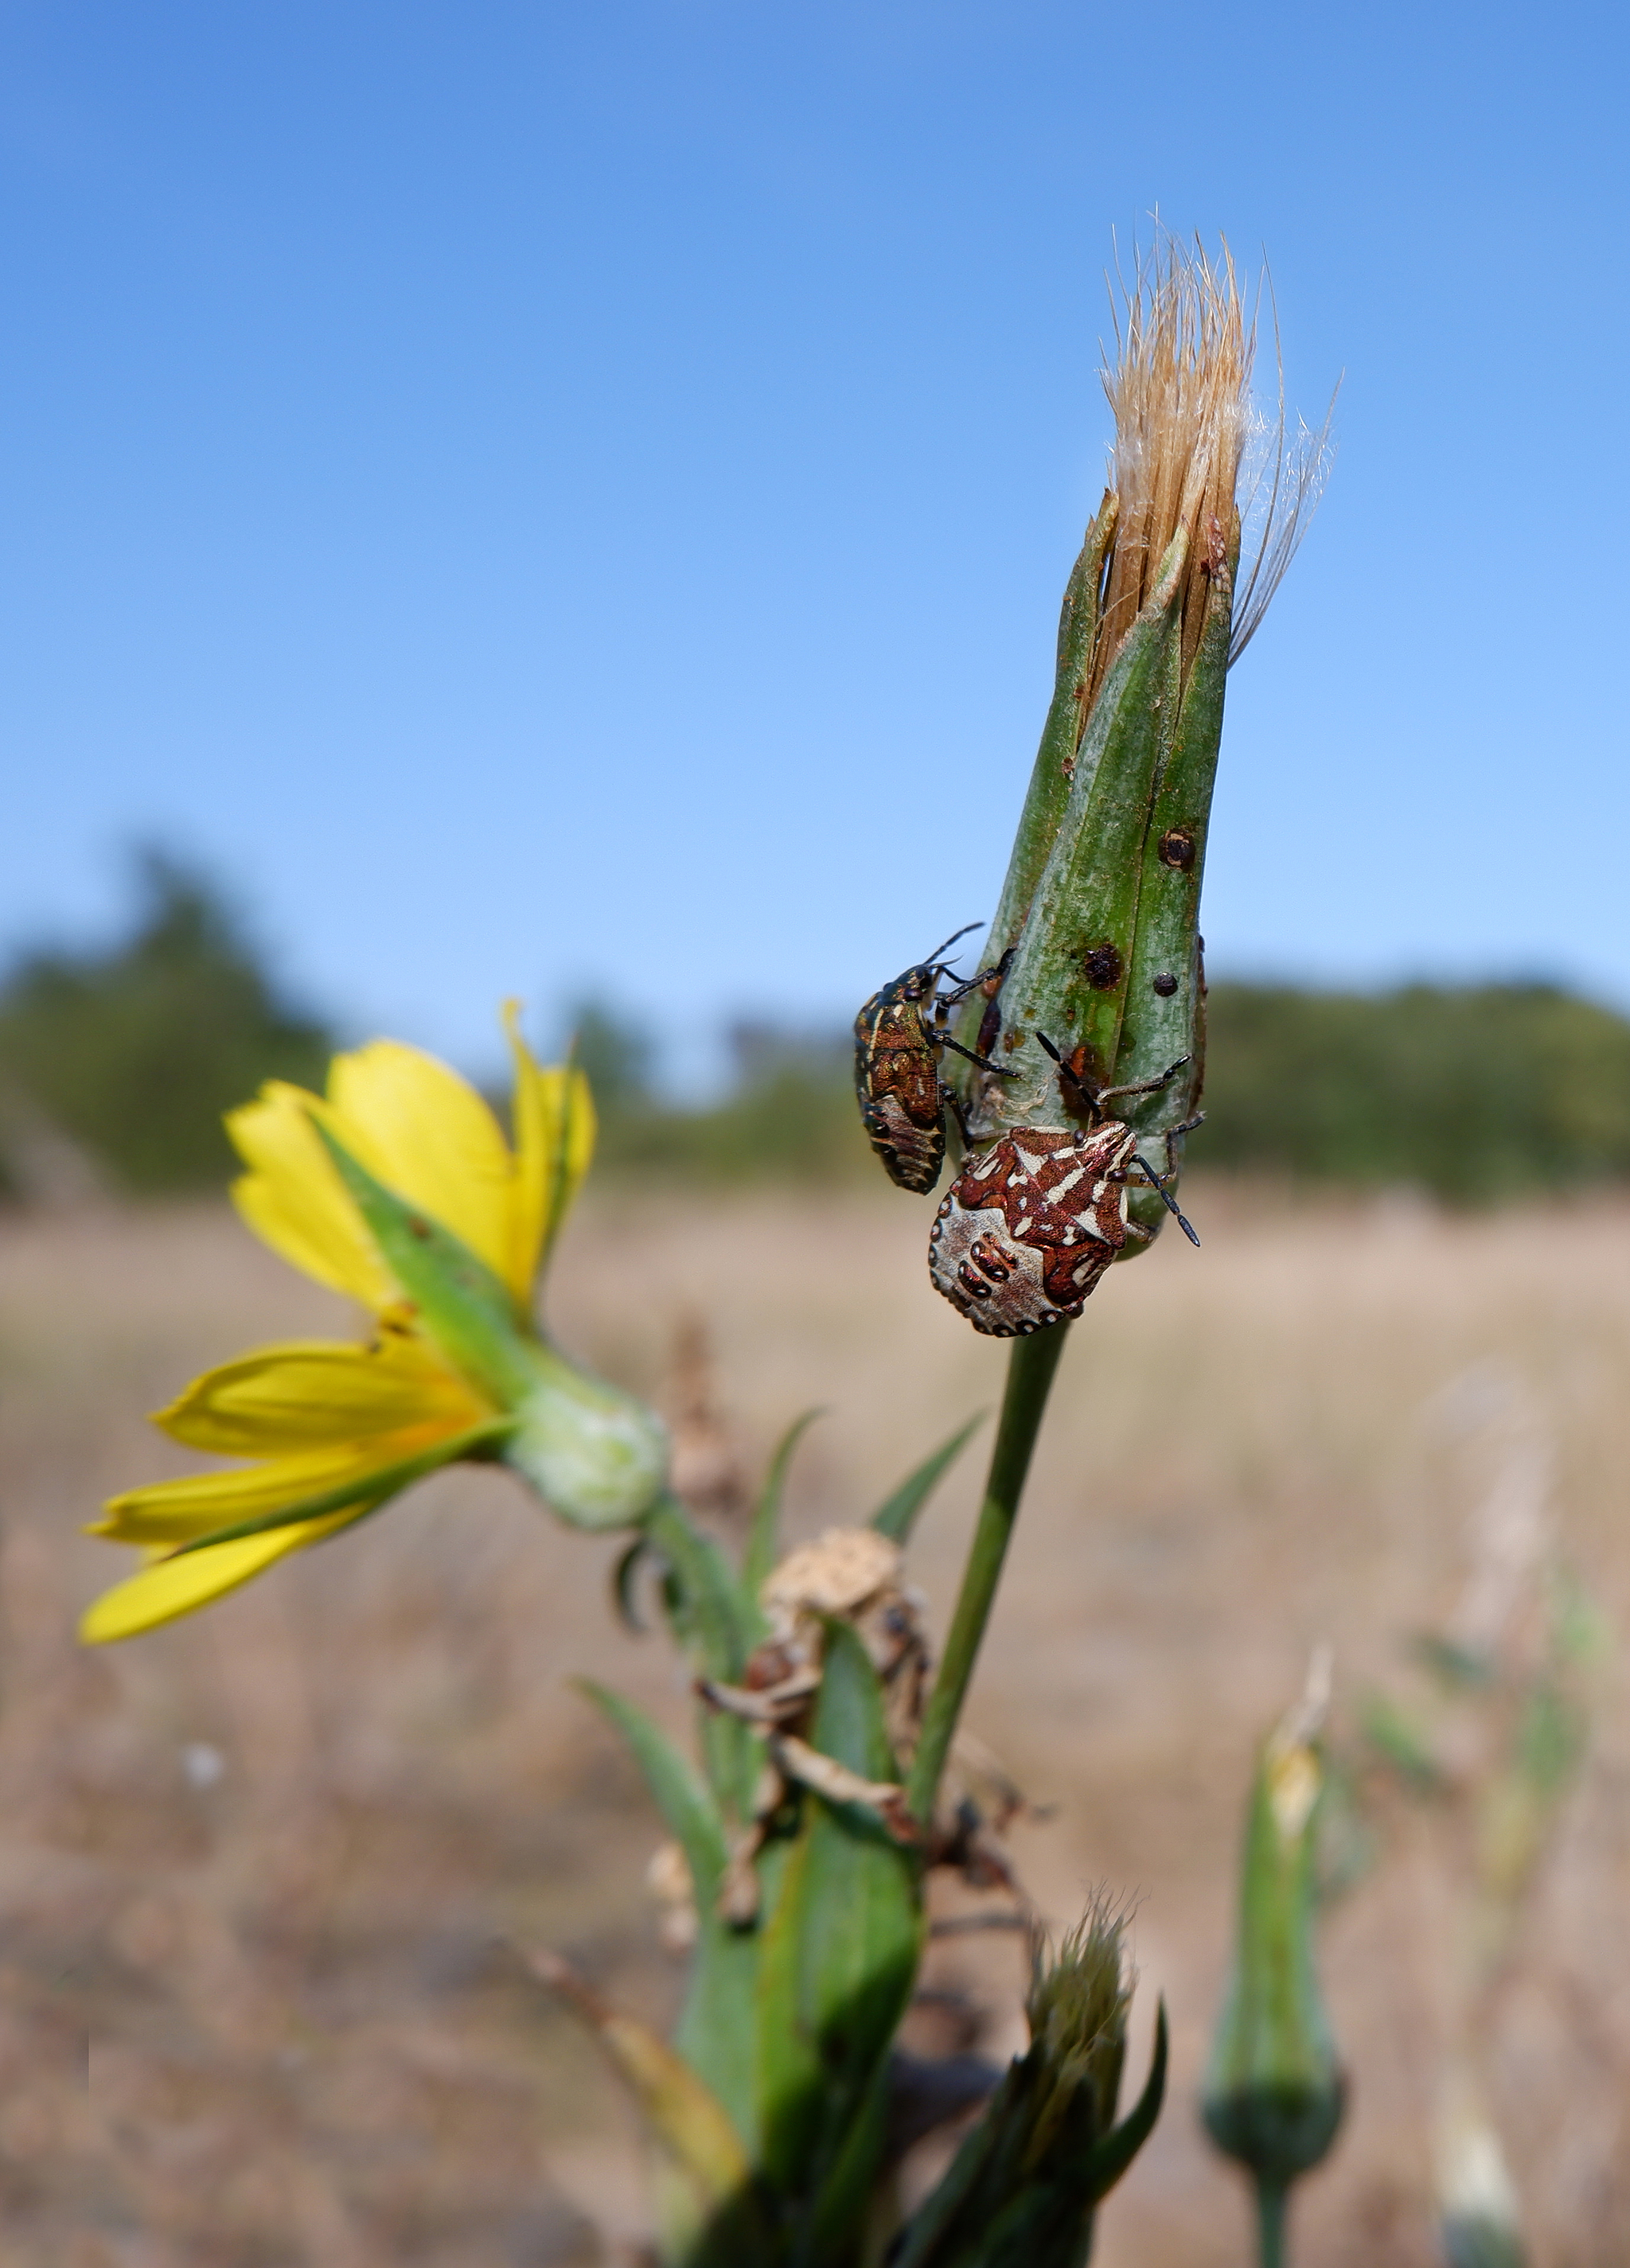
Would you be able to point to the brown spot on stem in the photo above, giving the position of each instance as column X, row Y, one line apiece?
column 1104, row 966
column 1177, row 848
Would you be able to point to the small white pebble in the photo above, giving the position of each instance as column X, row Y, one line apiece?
column 203, row 1764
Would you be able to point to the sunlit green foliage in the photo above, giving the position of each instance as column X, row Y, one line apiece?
column 134, row 1052
column 1475, row 1093
column 790, row 1115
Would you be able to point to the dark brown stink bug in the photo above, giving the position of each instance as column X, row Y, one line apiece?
column 1030, row 1224
column 902, row 1096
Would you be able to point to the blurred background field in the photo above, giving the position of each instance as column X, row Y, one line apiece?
column 262, row 1874
column 554, row 497
column 117, row 1063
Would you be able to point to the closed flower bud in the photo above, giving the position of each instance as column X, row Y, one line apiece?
column 1021, row 2191
column 1098, row 930
column 1477, row 2203
column 596, row 1455
column 1273, row 2092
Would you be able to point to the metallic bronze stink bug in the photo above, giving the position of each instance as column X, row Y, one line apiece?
column 902, row 1096
column 1031, row 1224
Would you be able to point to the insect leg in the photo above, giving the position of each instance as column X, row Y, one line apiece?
column 998, row 1070
column 1097, row 1096
column 958, row 993
column 953, row 1102
column 1141, row 1085
column 1172, row 1132
column 1091, row 1096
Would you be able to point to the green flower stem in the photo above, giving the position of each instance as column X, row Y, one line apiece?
column 1030, row 1369
column 1272, row 2198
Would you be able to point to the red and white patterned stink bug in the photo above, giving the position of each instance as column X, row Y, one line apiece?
column 1031, row 1223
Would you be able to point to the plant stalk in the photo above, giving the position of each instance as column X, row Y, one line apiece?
column 1030, row 1369
column 1272, row 2198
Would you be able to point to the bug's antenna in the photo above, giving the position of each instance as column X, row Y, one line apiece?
column 965, row 930
column 1166, row 1198
column 1081, row 1087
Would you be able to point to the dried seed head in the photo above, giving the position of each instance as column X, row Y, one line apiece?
column 835, row 1575
column 1185, row 433
column 1077, row 2012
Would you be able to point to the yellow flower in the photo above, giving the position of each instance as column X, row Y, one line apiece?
column 398, row 1188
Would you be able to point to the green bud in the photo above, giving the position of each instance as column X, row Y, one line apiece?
column 1099, row 919
column 1106, row 962
column 1022, row 2190
column 1273, row 2092
column 596, row 1455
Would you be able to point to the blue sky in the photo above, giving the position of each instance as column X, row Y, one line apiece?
column 542, row 497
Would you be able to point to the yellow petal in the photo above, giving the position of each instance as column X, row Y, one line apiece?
column 294, row 1200
column 312, row 1392
column 169, row 1588
column 173, row 1512
column 428, row 1136
column 554, row 1143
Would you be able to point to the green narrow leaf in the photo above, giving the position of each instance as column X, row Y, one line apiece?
column 846, row 2196
column 688, row 1810
column 941, row 2210
column 711, row 1621
column 896, row 1515
column 622, row 1585
column 764, row 1536
column 465, row 1307
column 1120, row 2146
column 840, row 1953
column 715, row 2030
column 708, row 2203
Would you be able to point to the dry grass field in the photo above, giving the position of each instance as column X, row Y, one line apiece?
column 261, row 1874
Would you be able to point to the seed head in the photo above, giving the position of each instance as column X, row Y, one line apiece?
column 1185, row 431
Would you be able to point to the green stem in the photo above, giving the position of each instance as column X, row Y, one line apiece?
column 1271, row 2201
column 1030, row 1369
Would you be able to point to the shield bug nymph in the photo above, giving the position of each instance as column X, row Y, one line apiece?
column 1030, row 1224
column 898, row 1037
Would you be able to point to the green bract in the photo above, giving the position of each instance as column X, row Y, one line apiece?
column 1273, row 2091
column 1101, row 909
column 1021, row 2189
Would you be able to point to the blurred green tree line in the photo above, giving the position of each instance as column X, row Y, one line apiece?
column 125, row 1058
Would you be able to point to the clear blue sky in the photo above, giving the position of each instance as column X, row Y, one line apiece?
column 542, row 496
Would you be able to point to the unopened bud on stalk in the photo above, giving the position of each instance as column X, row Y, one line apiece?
column 1021, row 2191
column 1273, row 2093
column 1476, row 2202
column 1097, row 930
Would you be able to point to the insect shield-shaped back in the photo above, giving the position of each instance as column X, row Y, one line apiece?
column 902, row 1096
column 1029, row 1227
column 897, row 1079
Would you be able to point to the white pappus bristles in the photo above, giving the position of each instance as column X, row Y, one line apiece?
column 1188, row 436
